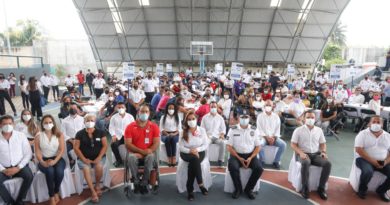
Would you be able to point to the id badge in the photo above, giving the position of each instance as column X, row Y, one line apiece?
column 147, row 140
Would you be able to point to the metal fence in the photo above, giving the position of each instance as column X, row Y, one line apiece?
column 12, row 61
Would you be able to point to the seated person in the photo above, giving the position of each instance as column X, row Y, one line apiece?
column 357, row 97
column 193, row 145
column 225, row 104
column 268, row 126
column 244, row 145
column 142, row 138
column 118, row 95
column 215, row 128
column 170, row 126
column 118, row 124
column 106, row 112
column 372, row 146
column 14, row 158
column 49, row 148
column 296, row 108
column 328, row 114
column 203, row 109
column 65, row 108
column 27, row 126
column 309, row 145
column 90, row 146
column 375, row 103
column 280, row 106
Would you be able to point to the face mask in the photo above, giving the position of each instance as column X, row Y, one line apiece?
column 277, row 98
column 310, row 122
column 258, row 98
column 376, row 97
column 143, row 117
column 252, row 94
column 72, row 111
column 191, row 123
column 226, row 97
column 121, row 111
column 213, row 110
column 278, row 91
column 329, row 100
column 26, row 117
column 297, row 100
column 7, row 128
column 111, row 98
column 266, row 92
column 375, row 127
column 244, row 121
column 90, row 124
column 66, row 103
column 268, row 108
column 48, row 126
column 116, row 93
column 170, row 111
column 340, row 87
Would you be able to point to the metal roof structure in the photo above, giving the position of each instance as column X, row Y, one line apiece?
column 247, row 31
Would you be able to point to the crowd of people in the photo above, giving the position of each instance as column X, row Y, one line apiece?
column 188, row 113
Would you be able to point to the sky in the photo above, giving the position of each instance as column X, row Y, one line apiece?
column 365, row 19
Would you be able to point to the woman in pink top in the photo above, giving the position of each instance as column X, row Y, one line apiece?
column 203, row 109
column 164, row 100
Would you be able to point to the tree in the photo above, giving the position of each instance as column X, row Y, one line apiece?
column 338, row 36
column 25, row 32
column 333, row 49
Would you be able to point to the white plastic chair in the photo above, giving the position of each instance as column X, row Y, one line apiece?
column 294, row 175
column 163, row 153
column 182, row 175
column 244, row 176
column 354, row 178
column 269, row 153
column 213, row 152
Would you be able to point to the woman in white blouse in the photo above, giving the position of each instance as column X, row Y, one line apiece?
column 23, row 91
column 193, row 144
column 28, row 126
column 170, row 126
column 225, row 104
column 49, row 148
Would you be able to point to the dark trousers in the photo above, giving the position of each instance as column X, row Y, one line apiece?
column 55, row 90
column 234, row 170
column 69, row 147
column 170, row 144
column 35, row 100
column 149, row 96
column 98, row 92
column 5, row 95
column 90, row 88
column 27, row 177
column 46, row 92
column 115, row 148
column 194, row 169
column 12, row 90
column 81, row 89
column 54, row 175
column 316, row 160
column 132, row 111
column 367, row 173
column 26, row 104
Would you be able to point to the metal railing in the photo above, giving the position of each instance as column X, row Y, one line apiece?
column 14, row 61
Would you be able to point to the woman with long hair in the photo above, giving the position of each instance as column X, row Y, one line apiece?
column 23, row 91
column 34, row 89
column 49, row 148
column 28, row 126
column 170, row 126
column 193, row 145
column 12, row 83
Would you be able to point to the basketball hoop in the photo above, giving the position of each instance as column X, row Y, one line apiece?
column 201, row 49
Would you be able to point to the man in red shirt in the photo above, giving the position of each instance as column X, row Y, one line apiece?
column 142, row 138
column 81, row 81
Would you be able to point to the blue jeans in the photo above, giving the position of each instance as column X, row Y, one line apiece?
column 54, row 175
column 278, row 143
column 81, row 89
column 170, row 144
column 367, row 173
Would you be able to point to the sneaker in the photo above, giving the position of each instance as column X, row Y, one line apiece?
column 204, row 190
column 137, row 188
column 144, row 189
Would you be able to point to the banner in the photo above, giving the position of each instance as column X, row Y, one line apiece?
column 169, row 68
column 218, row 69
column 335, row 72
column 269, row 68
column 160, row 69
column 128, row 70
column 236, row 71
column 290, row 69
column 352, row 71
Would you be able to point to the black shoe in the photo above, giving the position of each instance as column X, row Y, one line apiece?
column 250, row 194
column 322, row 194
column 137, row 188
column 220, row 164
column 383, row 196
column 190, row 196
column 304, row 194
column 361, row 195
column 276, row 165
column 144, row 189
column 204, row 190
column 236, row 194
column 117, row 164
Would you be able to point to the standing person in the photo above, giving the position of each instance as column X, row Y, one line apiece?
column 309, row 144
column 14, row 158
column 34, row 89
column 170, row 126
column 136, row 98
column 150, row 87
column 89, row 78
column 69, row 82
column 45, row 81
column 12, row 82
column 98, row 84
column 23, row 91
column 274, row 80
column 49, row 148
column 4, row 87
column 54, row 86
column 244, row 145
column 81, row 80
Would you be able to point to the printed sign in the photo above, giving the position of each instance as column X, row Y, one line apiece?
column 128, row 70
column 236, row 71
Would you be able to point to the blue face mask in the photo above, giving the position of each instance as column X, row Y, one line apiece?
column 143, row 117
column 244, row 121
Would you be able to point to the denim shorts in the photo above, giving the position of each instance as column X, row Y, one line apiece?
column 81, row 164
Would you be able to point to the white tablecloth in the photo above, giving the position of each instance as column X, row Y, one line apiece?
column 93, row 109
column 385, row 113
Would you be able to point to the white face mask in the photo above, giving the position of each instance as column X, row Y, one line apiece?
column 258, row 98
column 111, row 98
column 329, row 100
column 244, row 121
column 26, row 117
column 277, row 98
column 213, row 110
column 121, row 111
column 171, row 111
column 7, row 128
column 191, row 123
column 116, row 93
column 90, row 124
column 226, row 97
column 268, row 108
column 310, row 122
column 375, row 127
column 48, row 126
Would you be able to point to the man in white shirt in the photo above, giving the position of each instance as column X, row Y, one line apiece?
column 15, row 156
column 54, row 86
column 98, row 84
column 296, row 108
column 298, row 84
column 4, row 87
column 268, row 126
column 357, row 97
column 187, row 95
column 150, row 87
column 309, row 144
column 280, row 105
column 70, row 126
column 45, row 81
column 365, row 85
column 372, row 146
column 340, row 94
column 118, row 124
column 136, row 98
column 215, row 128
column 244, row 145
column 69, row 82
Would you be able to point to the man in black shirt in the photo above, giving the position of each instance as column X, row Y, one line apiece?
column 274, row 80
column 89, row 78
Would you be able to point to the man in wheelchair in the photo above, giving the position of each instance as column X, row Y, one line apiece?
column 142, row 139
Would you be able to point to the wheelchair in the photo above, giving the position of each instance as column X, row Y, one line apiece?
column 154, row 181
